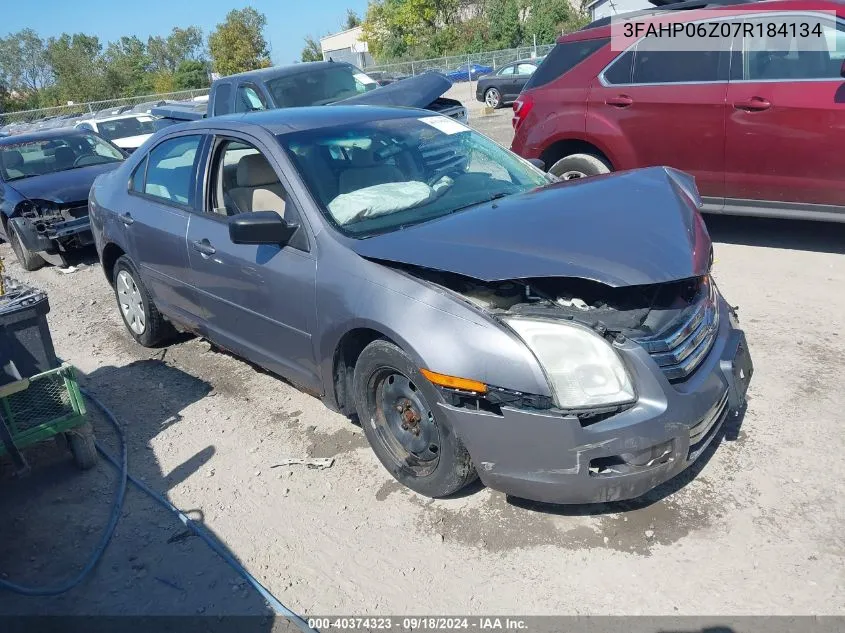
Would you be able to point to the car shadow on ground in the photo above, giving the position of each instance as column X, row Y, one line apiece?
column 729, row 431
column 154, row 565
column 804, row 235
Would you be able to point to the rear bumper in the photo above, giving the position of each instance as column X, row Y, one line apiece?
column 553, row 458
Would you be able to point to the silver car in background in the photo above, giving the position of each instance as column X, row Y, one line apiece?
column 565, row 342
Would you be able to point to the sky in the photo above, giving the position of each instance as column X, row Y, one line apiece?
column 288, row 21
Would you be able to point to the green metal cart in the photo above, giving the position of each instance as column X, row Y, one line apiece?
column 44, row 406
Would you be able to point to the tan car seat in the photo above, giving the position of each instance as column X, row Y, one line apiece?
column 258, row 187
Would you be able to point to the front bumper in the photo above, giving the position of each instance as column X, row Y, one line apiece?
column 550, row 457
column 51, row 235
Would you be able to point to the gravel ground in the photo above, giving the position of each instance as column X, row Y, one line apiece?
column 753, row 528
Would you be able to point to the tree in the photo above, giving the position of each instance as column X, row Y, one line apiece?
column 505, row 23
column 126, row 68
column 191, row 74
column 422, row 28
column 77, row 66
column 166, row 53
column 238, row 44
column 547, row 19
column 312, row 52
column 24, row 66
column 352, row 20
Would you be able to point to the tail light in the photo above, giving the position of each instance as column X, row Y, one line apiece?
column 521, row 107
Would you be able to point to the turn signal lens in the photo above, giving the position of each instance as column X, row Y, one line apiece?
column 454, row 382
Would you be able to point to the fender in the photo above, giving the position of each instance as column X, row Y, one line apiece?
column 30, row 238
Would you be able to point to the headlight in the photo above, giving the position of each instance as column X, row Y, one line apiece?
column 583, row 370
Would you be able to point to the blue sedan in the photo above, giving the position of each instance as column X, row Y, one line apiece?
column 468, row 72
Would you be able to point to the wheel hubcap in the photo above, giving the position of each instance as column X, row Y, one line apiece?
column 407, row 425
column 572, row 175
column 131, row 305
column 492, row 98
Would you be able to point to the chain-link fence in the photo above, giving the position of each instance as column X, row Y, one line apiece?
column 491, row 59
column 66, row 115
column 61, row 116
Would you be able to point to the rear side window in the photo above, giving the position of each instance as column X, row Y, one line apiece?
column 170, row 172
column 222, row 96
column 672, row 67
column 563, row 58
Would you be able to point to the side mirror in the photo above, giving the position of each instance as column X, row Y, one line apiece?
column 842, row 69
column 537, row 163
column 261, row 227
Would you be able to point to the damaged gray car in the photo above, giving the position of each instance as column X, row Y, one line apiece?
column 564, row 342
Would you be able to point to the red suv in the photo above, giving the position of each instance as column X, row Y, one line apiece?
column 760, row 124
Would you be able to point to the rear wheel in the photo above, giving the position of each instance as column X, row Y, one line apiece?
column 397, row 409
column 140, row 315
column 577, row 166
column 492, row 98
column 28, row 260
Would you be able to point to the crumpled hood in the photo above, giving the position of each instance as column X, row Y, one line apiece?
column 413, row 92
column 631, row 228
column 61, row 187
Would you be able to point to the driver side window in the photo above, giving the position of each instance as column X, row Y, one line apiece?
column 243, row 181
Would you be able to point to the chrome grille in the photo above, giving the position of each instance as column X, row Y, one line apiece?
column 681, row 347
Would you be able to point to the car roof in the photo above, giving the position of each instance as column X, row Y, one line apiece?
column 263, row 74
column 287, row 120
column 686, row 10
column 116, row 117
column 56, row 132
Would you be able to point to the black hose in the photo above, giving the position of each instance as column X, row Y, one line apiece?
column 211, row 541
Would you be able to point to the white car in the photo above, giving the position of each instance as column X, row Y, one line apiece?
column 127, row 131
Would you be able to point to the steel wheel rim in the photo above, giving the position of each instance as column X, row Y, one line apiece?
column 404, row 423
column 130, row 302
column 492, row 98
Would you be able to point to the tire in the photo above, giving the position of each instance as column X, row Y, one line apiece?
column 427, row 456
column 137, row 309
column 28, row 260
column 493, row 98
column 577, row 166
column 82, row 446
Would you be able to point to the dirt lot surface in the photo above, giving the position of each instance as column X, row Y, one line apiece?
column 754, row 528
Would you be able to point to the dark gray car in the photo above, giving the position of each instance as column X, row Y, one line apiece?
column 563, row 341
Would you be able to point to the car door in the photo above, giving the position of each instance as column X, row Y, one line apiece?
column 522, row 75
column 161, row 194
column 662, row 103
column 258, row 301
column 505, row 82
column 786, row 118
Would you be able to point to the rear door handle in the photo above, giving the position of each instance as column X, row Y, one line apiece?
column 621, row 101
column 204, row 247
column 127, row 219
column 754, row 104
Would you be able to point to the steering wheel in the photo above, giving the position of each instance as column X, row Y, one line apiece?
column 86, row 159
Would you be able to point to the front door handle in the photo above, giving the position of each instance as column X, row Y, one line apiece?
column 621, row 101
column 754, row 104
column 127, row 219
column 204, row 247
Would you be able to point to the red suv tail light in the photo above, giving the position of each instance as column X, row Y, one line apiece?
column 521, row 107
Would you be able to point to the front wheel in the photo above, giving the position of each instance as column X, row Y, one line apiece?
column 577, row 166
column 28, row 260
column 397, row 408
